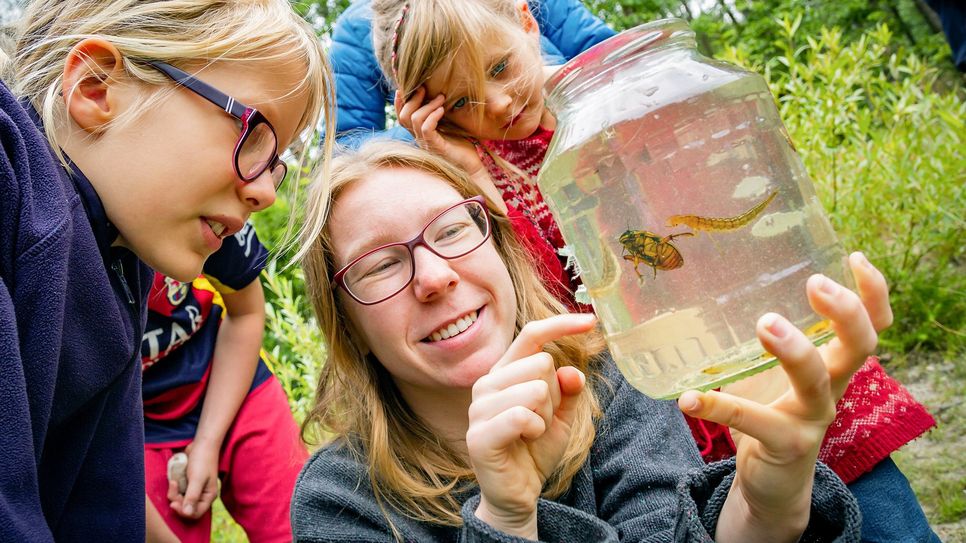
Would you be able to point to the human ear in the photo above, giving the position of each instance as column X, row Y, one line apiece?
column 92, row 74
column 527, row 20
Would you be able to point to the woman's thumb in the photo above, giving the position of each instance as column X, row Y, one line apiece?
column 572, row 382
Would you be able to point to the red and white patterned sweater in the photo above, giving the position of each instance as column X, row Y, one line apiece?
column 522, row 192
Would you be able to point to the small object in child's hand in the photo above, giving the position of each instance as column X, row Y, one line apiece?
column 178, row 471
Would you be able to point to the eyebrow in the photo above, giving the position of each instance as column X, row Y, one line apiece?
column 268, row 105
column 363, row 244
column 385, row 237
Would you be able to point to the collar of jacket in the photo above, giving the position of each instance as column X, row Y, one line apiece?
column 105, row 233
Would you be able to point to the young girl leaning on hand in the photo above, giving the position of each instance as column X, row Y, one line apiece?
column 469, row 79
column 135, row 134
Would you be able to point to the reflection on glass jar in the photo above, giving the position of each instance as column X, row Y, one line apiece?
column 689, row 213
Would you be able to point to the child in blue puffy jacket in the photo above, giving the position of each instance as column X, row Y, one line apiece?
column 567, row 28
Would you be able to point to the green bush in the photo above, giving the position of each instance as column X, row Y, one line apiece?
column 754, row 23
column 884, row 144
column 293, row 340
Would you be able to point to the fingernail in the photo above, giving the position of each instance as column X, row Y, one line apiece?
column 775, row 325
column 188, row 509
column 827, row 286
column 690, row 401
column 865, row 261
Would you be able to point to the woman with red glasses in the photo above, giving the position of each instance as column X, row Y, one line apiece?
column 135, row 135
column 459, row 402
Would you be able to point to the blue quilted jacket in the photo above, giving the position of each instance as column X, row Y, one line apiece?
column 362, row 93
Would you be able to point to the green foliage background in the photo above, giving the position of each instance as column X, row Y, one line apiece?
column 869, row 96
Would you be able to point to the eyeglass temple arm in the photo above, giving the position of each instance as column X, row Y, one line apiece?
column 202, row 89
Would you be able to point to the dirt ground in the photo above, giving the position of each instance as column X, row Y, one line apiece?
column 935, row 463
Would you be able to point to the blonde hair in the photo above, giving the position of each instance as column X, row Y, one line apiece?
column 357, row 403
column 411, row 45
column 179, row 32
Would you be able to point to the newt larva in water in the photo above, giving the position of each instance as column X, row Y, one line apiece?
column 726, row 224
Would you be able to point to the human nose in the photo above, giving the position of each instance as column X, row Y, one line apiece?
column 433, row 276
column 498, row 100
column 259, row 193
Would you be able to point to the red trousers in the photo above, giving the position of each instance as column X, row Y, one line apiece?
column 260, row 460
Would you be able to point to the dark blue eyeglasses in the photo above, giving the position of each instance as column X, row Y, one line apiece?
column 257, row 148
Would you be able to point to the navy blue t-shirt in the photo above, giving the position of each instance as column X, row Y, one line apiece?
column 179, row 341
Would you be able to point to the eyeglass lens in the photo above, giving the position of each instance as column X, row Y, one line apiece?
column 257, row 151
column 383, row 273
column 278, row 174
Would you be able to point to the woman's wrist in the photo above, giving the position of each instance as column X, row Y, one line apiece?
column 520, row 524
column 741, row 521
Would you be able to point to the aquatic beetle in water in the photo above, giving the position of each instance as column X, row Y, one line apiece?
column 649, row 248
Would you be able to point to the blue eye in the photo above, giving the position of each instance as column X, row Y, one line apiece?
column 459, row 103
column 498, row 69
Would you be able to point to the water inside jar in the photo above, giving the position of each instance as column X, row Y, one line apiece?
column 689, row 221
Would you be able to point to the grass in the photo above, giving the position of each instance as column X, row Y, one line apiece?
column 223, row 528
column 934, row 463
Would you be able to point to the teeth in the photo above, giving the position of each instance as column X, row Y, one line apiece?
column 216, row 227
column 455, row 328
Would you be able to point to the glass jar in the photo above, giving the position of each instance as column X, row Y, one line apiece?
column 686, row 208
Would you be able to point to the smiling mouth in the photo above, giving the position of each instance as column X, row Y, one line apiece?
column 453, row 329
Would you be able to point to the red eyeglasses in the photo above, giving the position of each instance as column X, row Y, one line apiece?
column 385, row 271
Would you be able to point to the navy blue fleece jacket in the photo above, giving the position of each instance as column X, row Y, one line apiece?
column 71, row 446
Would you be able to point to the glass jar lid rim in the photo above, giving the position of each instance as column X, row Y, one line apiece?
column 630, row 43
